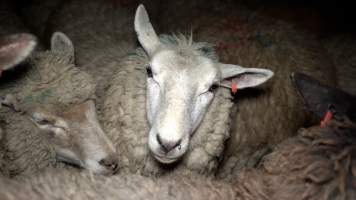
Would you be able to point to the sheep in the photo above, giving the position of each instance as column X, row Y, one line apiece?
column 58, row 121
column 270, row 114
column 139, row 126
column 341, row 48
column 316, row 164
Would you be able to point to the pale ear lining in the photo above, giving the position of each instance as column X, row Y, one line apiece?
column 145, row 32
column 15, row 48
column 243, row 77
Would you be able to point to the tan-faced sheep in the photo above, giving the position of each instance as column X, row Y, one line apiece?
column 58, row 121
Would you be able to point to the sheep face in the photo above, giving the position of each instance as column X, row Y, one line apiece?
column 181, row 82
column 77, row 136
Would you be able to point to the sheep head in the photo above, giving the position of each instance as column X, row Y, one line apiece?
column 52, row 95
column 182, row 78
column 76, row 135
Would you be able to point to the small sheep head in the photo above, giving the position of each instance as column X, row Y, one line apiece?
column 14, row 49
column 181, row 82
column 76, row 136
column 53, row 98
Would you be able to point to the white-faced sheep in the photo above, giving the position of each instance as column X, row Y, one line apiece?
column 58, row 121
column 164, row 102
column 266, row 116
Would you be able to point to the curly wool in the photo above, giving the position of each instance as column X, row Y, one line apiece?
column 124, row 118
column 318, row 163
column 64, row 184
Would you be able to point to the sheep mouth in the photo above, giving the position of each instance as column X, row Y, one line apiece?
column 165, row 160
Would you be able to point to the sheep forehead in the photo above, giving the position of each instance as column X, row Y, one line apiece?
column 185, row 66
column 76, row 113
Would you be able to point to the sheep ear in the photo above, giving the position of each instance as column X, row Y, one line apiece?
column 48, row 122
column 61, row 44
column 145, row 32
column 243, row 77
column 15, row 48
column 319, row 98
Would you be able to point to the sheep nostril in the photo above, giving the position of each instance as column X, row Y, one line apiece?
column 168, row 146
column 111, row 163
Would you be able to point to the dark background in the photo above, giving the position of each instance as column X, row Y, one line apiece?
column 324, row 17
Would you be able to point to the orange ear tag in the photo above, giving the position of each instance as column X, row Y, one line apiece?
column 233, row 87
column 327, row 117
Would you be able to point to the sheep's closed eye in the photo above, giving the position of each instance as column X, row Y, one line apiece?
column 213, row 88
column 149, row 72
column 43, row 122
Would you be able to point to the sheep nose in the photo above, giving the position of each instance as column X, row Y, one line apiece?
column 111, row 163
column 167, row 146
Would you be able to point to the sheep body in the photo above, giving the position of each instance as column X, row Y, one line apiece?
column 74, row 185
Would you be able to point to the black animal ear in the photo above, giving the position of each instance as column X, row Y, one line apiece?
column 319, row 98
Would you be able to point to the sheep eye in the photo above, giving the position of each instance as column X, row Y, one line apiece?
column 213, row 88
column 43, row 122
column 149, row 72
